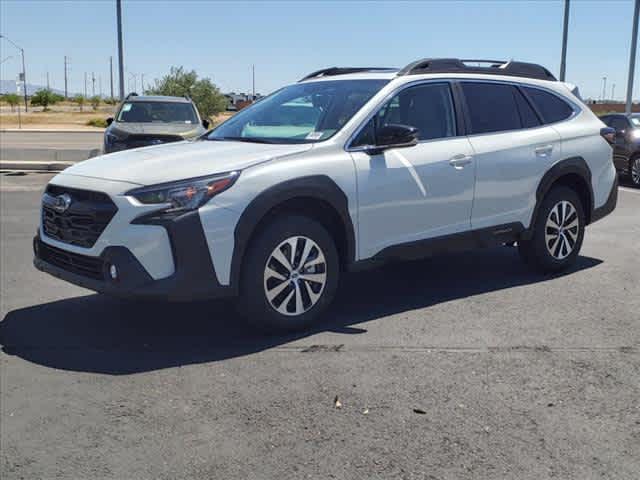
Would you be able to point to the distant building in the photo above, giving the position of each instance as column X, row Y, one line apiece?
column 237, row 101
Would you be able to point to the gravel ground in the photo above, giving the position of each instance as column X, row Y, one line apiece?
column 457, row 367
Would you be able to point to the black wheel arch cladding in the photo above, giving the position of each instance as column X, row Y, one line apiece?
column 317, row 187
column 568, row 168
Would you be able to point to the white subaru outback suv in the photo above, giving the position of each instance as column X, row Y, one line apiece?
column 348, row 168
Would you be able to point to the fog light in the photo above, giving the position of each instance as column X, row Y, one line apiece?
column 113, row 272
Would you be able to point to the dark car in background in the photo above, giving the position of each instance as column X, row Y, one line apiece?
column 152, row 120
column 626, row 148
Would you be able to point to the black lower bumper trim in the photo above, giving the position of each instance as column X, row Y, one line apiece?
column 609, row 205
column 194, row 276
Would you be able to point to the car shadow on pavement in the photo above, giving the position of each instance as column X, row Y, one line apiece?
column 95, row 333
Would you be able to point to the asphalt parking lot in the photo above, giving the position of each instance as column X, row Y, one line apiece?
column 457, row 367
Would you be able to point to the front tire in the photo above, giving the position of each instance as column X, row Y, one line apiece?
column 290, row 275
column 557, row 234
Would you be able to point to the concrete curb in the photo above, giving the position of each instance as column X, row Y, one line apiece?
column 48, row 154
column 31, row 166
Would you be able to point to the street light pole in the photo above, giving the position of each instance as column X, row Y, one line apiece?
column 632, row 59
column 565, row 33
column 604, row 88
column 120, row 49
column 24, row 70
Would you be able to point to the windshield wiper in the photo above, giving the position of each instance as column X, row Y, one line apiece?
column 243, row 139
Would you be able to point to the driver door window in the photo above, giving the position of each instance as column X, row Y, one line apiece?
column 428, row 107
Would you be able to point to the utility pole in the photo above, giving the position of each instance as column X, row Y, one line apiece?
column 23, row 75
column 85, row 84
column 65, row 77
column 253, row 83
column 142, row 83
column 100, row 85
column 111, row 75
column 565, row 33
column 632, row 58
column 48, row 84
column 613, row 92
column 120, row 48
column 93, row 84
column 604, row 88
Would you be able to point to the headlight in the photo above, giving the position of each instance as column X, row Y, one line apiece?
column 635, row 133
column 113, row 137
column 185, row 195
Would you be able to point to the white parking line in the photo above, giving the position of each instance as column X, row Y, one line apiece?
column 630, row 190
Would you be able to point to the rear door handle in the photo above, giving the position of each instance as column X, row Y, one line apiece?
column 544, row 150
column 460, row 160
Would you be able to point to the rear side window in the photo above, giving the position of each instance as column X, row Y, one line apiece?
column 552, row 108
column 528, row 116
column 492, row 107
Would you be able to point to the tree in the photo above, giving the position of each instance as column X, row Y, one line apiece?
column 44, row 98
column 95, row 101
column 179, row 83
column 12, row 99
column 80, row 100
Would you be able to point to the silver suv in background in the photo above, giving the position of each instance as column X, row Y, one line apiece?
column 141, row 121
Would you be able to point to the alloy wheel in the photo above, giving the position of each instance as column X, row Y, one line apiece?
column 561, row 230
column 295, row 276
column 635, row 171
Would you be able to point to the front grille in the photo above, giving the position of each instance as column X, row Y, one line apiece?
column 143, row 140
column 91, row 267
column 83, row 222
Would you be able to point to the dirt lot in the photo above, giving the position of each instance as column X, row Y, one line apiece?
column 65, row 116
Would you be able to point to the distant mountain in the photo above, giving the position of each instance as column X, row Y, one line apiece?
column 9, row 86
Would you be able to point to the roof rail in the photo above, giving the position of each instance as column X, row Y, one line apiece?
column 132, row 94
column 490, row 67
column 328, row 72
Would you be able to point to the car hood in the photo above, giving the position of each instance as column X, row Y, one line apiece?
column 180, row 160
column 150, row 128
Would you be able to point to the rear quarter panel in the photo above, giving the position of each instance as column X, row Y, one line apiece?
column 581, row 138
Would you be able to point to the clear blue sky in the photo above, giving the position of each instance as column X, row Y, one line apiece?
column 285, row 40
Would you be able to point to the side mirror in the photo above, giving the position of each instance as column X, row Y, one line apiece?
column 205, row 124
column 394, row 136
column 109, row 121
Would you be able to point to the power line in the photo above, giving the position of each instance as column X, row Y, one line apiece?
column 120, row 48
column 565, row 33
column 632, row 58
column 65, row 78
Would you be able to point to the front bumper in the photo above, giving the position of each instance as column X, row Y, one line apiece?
column 194, row 276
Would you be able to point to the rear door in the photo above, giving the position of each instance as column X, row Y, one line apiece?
column 512, row 150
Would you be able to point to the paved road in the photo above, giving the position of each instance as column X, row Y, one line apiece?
column 518, row 376
column 67, row 140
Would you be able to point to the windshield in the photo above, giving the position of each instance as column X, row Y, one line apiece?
column 161, row 112
column 301, row 113
column 635, row 121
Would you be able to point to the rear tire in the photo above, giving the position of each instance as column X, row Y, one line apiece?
column 290, row 275
column 557, row 234
column 634, row 171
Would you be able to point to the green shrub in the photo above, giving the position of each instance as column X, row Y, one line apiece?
column 44, row 98
column 97, row 122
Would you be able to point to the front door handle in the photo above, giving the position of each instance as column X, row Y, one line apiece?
column 544, row 150
column 460, row 160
